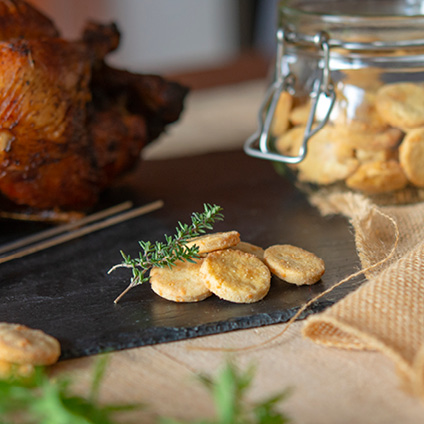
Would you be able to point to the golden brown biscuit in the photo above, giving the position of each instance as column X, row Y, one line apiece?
column 7, row 369
column 368, row 79
column 362, row 127
column 294, row 264
column 411, row 156
column 23, row 345
column 357, row 109
column 300, row 114
column 181, row 283
column 250, row 248
column 289, row 143
column 401, row 105
column 215, row 241
column 378, row 177
column 236, row 276
column 327, row 160
column 281, row 117
column 365, row 155
column 369, row 139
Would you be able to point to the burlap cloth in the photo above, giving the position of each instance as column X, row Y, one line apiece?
column 387, row 312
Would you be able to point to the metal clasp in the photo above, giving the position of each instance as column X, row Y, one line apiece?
column 258, row 145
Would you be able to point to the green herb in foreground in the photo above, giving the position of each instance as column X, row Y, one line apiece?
column 38, row 399
column 229, row 390
column 161, row 254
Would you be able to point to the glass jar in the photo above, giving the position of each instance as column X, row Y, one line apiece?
column 345, row 109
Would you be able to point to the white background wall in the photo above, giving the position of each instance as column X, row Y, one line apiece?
column 157, row 35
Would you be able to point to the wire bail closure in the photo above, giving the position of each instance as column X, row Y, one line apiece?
column 322, row 86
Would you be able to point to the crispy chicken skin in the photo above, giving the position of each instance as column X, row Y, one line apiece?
column 21, row 20
column 70, row 124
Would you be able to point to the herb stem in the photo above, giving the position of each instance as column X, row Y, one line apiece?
column 174, row 248
column 119, row 266
column 130, row 286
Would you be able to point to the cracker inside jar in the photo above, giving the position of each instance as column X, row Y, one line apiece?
column 373, row 142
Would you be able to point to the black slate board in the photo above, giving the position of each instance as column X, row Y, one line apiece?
column 66, row 291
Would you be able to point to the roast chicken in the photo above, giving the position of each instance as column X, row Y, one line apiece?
column 69, row 123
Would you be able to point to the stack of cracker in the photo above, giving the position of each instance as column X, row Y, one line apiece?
column 234, row 270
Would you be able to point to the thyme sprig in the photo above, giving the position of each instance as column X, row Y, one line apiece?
column 229, row 392
column 162, row 254
column 40, row 399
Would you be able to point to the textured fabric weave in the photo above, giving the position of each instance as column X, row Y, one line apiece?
column 387, row 312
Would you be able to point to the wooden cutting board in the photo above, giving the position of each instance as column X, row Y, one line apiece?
column 67, row 292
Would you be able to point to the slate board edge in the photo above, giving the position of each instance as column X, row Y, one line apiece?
column 160, row 335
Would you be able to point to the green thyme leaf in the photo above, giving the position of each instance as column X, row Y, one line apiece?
column 166, row 254
column 39, row 399
column 229, row 389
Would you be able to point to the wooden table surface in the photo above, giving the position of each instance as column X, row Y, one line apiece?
column 329, row 386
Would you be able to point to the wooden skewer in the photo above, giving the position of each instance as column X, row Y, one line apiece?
column 142, row 210
column 42, row 235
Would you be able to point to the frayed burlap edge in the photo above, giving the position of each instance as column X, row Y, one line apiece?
column 374, row 231
column 332, row 332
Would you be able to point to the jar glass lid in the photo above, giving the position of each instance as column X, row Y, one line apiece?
column 355, row 8
column 357, row 26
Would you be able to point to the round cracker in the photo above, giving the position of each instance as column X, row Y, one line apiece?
column 356, row 137
column 411, row 156
column 300, row 114
column 181, row 283
column 289, row 143
column 236, row 276
column 368, row 79
column 281, row 117
column 8, row 369
column 357, row 110
column 401, row 105
column 250, row 248
column 328, row 160
column 23, row 345
column 294, row 264
column 378, row 177
column 5, row 368
column 366, row 155
column 215, row 241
